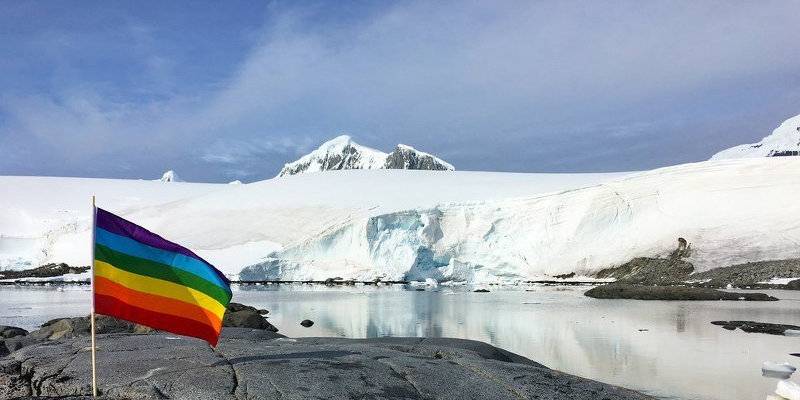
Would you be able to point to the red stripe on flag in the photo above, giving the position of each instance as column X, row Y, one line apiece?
column 113, row 307
column 153, row 302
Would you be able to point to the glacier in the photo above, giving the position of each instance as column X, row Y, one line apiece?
column 476, row 227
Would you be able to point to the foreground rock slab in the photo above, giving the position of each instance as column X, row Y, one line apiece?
column 259, row 364
column 643, row 292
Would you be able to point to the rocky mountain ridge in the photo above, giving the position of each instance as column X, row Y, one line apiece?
column 343, row 153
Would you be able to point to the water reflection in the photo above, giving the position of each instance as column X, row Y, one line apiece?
column 663, row 348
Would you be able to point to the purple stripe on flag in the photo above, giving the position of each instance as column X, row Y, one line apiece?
column 121, row 226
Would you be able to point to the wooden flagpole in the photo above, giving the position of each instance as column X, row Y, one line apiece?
column 94, row 363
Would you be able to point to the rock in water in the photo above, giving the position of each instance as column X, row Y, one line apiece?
column 481, row 291
column 642, row 292
column 307, row 323
column 758, row 327
column 266, row 365
column 777, row 370
column 242, row 316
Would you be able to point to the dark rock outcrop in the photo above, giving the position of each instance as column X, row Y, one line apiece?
column 242, row 316
column 650, row 271
column 749, row 274
column 407, row 157
column 44, row 271
column 264, row 365
column 8, row 332
column 654, row 270
column 642, row 292
column 756, row 327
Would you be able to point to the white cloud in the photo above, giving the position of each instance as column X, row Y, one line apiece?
column 461, row 78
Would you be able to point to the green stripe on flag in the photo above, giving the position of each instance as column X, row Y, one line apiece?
column 158, row 270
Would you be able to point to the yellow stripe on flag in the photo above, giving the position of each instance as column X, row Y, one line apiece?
column 158, row 287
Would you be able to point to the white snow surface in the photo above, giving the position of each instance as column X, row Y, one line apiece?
column 477, row 227
column 785, row 138
column 39, row 214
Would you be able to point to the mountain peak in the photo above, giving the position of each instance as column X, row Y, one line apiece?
column 783, row 141
column 407, row 157
column 169, row 176
column 342, row 152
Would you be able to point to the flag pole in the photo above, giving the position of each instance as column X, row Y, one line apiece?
column 94, row 363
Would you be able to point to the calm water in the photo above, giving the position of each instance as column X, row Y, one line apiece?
column 667, row 349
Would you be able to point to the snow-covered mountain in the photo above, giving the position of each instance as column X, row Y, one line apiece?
column 169, row 176
column 784, row 141
column 343, row 153
column 401, row 224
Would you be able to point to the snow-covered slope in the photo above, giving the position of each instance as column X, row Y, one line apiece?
column 470, row 226
column 343, row 153
column 784, row 141
column 37, row 213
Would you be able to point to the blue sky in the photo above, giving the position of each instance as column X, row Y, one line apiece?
column 233, row 90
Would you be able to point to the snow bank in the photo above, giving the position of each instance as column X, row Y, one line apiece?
column 417, row 225
column 37, row 213
column 731, row 211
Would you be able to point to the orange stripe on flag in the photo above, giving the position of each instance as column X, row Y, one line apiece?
column 160, row 304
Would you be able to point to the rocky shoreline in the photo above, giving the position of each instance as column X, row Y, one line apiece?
column 252, row 363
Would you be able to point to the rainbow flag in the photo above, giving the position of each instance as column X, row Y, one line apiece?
column 143, row 278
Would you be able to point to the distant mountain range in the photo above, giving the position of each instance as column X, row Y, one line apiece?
column 343, row 153
column 784, row 141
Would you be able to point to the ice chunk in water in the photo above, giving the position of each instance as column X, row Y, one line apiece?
column 777, row 370
column 788, row 390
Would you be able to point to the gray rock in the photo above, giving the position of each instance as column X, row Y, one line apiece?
column 793, row 285
column 81, row 326
column 641, row 292
column 7, row 332
column 242, row 316
column 44, row 271
column 650, row 271
column 237, row 316
column 749, row 274
column 263, row 365
column 756, row 327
